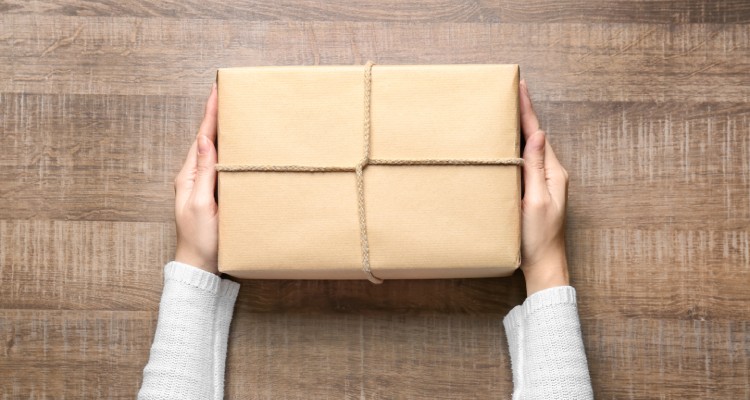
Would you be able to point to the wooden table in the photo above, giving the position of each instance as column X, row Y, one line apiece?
column 646, row 103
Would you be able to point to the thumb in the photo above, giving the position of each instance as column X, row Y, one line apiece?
column 205, row 179
column 534, row 177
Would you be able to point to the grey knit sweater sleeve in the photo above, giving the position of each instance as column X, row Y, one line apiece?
column 189, row 349
column 546, row 348
column 190, row 344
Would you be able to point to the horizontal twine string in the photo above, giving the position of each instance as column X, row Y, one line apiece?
column 306, row 168
column 359, row 171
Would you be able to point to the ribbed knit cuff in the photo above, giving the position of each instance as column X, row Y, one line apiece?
column 228, row 290
column 535, row 302
column 549, row 297
column 196, row 277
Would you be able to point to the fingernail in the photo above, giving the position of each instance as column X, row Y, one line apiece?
column 213, row 87
column 203, row 145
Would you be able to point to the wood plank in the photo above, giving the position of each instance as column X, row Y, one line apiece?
column 509, row 11
column 73, row 354
column 637, row 358
column 661, row 163
column 570, row 62
column 622, row 11
column 661, row 273
column 441, row 356
column 83, row 265
column 287, row 10
column 102, row 157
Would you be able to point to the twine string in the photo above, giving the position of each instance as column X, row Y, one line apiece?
column 359, row 170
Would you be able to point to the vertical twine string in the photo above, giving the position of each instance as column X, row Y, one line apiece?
column 359, row 171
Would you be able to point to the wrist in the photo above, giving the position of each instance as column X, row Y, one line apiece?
column 195, row 261
column 544, row 276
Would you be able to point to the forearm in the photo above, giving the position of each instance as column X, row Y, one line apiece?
column 189, row 349
column 546, row 347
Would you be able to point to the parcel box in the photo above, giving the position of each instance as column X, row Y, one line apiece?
column 369, row 172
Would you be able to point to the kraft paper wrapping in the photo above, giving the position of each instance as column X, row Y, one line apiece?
column 423, row 221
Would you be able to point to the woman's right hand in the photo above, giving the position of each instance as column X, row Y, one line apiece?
column 544, row 262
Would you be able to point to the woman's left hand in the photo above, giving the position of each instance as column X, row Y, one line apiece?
column 196, row 211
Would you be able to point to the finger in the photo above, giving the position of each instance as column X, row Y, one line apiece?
column 191, row 159
column 534, row 177
column 205, row 176
column 550, row 158
column 557, row 177
column 551, row 163
column 184, row 181
column 208, row 126
column 529, row 121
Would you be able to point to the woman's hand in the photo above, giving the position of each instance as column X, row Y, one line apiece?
column 544, row 263
column 196, row 212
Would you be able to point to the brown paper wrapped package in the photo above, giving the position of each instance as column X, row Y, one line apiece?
column 422, row 221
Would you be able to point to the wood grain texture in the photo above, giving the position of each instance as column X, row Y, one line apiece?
column 645, row 101
column 386, row 355
column 652, row 11
column 72, row 353
column 78, row 153
column 570, row 62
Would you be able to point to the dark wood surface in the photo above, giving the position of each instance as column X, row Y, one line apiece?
column 646, row 103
